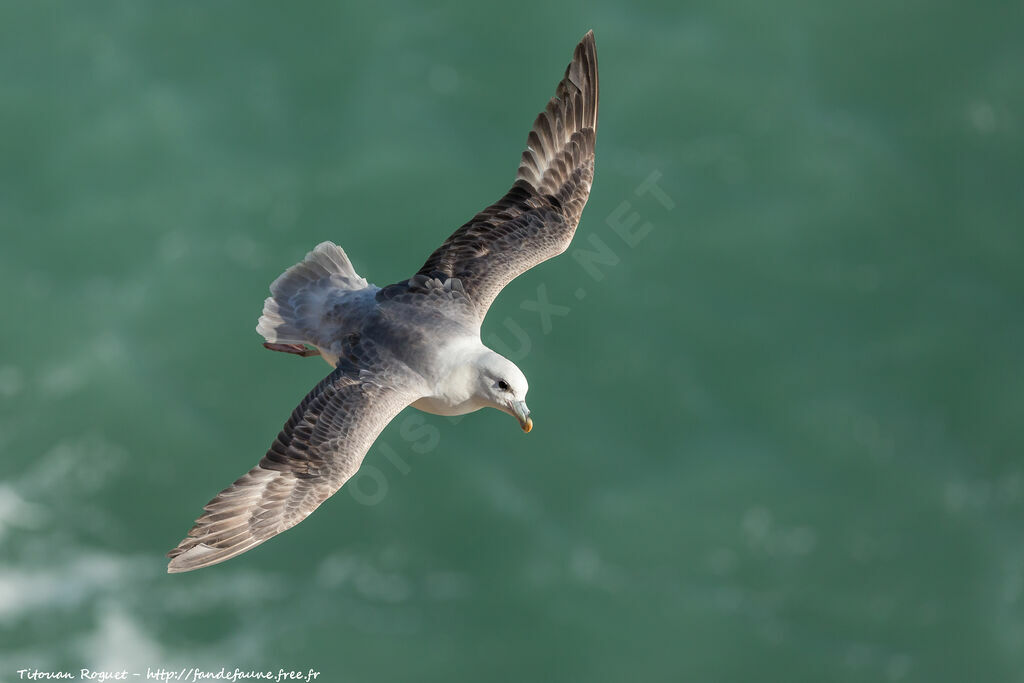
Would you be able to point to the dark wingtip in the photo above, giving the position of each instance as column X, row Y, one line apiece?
column 584, row 59
column 586, row 44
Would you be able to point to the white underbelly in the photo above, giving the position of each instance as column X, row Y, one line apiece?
column 439, row 406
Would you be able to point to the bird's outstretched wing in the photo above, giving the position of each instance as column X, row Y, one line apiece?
column 537, row 218
column 320, row 447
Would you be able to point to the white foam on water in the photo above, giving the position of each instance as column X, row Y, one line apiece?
column 369, row 580
column 120, row 642
column 16, row 512
column 26, row 593
column 63, row 379
column 104, row 592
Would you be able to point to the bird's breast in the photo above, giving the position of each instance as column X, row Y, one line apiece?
column 441, row 406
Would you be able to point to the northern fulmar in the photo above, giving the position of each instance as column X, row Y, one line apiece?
column 416, row 342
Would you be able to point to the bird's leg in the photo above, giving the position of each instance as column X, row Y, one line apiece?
column 297, row 349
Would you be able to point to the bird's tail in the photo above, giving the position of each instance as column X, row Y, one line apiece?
column 301, row 296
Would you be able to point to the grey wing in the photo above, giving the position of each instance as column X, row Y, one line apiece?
column 320, row 447
column 537, row 218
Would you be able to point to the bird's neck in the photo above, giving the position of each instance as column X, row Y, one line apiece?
column 456, row 384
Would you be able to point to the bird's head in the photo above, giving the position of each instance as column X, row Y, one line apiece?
column 501, row 385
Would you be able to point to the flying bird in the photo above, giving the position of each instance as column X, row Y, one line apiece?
column 414, row 343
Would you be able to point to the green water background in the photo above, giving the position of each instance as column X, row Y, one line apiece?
column 778, row 438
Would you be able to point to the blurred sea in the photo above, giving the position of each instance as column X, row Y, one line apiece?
column 778, row 429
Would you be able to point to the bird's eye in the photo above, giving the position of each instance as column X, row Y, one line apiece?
column 503, row 385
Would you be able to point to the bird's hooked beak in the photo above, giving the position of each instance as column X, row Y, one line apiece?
column 522, row 414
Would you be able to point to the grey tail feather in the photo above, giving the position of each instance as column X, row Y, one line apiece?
column 287, row 311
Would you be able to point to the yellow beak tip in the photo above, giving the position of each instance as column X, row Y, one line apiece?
column 528, row 426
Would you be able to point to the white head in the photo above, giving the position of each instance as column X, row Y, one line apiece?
column 500, row 384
